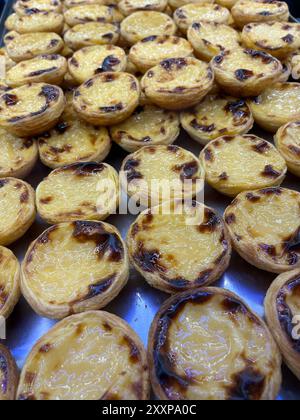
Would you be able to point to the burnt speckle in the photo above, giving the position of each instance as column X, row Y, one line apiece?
column 108, row 63
column 43, row 71
column 106, row 243
column 24, row 197
column 134, row 353
column 289, row 39
column 237, row 108
column 264, row 57
column 51, row 93
column 148, row 260
column 131, row 171
column 61, row 127
column 149, row 39
column 252, row 197
column 247, row 385
column 46, row 348
column 89, row 83
column 210, row 223
column 230, row 218
column 270, row 172
column 223, row 176
column 74, row 62
column 208, row 154
column 10, row 99
column 88, row 168
column 243, row 74
column 219, row 59
column 3, row 182
column 187, row 170
column 268, row 249
column 271, row 190
column 171, row 63
column 112, row 108
column 202, row 127
column 261, row 147
column 54, row 42
column 99, row 288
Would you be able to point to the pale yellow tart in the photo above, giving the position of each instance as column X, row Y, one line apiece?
column 18, row 155
column 177, row 247
column 92, row 356
column 210, row 39
column 140, row 25
column 227, row 3
column 9, row 282
column 127, row 7
column 178, row 83
column 152, row 50
column 9, row 375
column 264, row 227
column 276, row 38
column 287, row 140
column 174, row 4
column 195, row 12
column 36, row 22
column 108, row 98
column 147, row 126
column 31, row 109
column 276, row 106
column 25, row 7
column 73, row 140
column 27, row 46
column 93, row 60
column 174, row 170
column 46, row 68
column 74, row 267
column 90, row 13
column 82, row 191
column 17, row 209
column 249, row 11
column 246, row 72
column 239, row 163
column 208, row 345
column 92, row 33
column 282, row 307
column 215, row 116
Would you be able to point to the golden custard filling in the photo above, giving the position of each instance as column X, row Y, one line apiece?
column 93, row 31
column 194, row 12
column 15, row 152
column 89, row 13
column 42, row 5
column 83, row 359
column 144, row 24
column 9, row 268
column 259, row 9
column 108, row 91
column 66, row 265
column 282, row 100
column 243, row 160
column 180, row 252
column 35, row 43
column 220, row 350
column 288, row 142
column 36, row 22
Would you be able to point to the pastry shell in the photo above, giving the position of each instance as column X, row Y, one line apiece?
column 9, row 284
column 9, row 375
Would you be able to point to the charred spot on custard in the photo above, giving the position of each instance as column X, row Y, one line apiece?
column 223, row 176
column 131, row 171
column 148, row 260
column 10, row 99
column 247, row 385
column 46, row 348
column 270, row 172
column 202, row 127
column 268, row 249
column 171, row 63
column 261, row 147
column 187, row 170
column 289, row 39
column 51, row 93
column 74, row 62
column 112, row 108
column 134, row 353
column 210, row 223
column 272, row 190
column 24, row 197
column 87, row 169
column 243, row 74
column 252, row 197
column 230, row 218
column 264, row 57
column 97, row 288
column 208, row 155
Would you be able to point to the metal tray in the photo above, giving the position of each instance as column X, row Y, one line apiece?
column 138, row 302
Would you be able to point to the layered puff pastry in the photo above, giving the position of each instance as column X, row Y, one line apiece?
column 31, row 109
column 9, row 375
column 282, row 308
column 264, row 227
column 287, row 141
column 90, row 356
column 82, row 191
column 239, row 163
column 207, row 344
column 74, row 267
column 157, row 243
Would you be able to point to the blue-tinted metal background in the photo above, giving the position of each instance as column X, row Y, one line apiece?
column 138, row 302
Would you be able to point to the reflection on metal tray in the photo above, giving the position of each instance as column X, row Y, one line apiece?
column 138, row 302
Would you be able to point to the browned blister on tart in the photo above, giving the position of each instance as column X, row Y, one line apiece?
column 276, row 38
column 91, row 356
column 215, row 116
column 27, row 46
column 140, row 25
column 9, row 283
column 207, row 344
column 74, row 267
column 210, row 39
column 179, row 247
column 92, row 33
column 90, row 61
column 18, row 155
column 150, row 51
column 246, row 72
column 17, row 209
column 276, row 106
column 147, row 126
column 249, row 11
column 264, row 226
column 45, row 68
column 282, row 307
column 108, row 98
column 31, row 109
column 158, row 173
column 186, row 15
column 9, row 375
column 39, row 21
column 178, row 83
column 82, row 191
column 91, row 13
column 239, row 163
column 28, row 7
column 287, row 141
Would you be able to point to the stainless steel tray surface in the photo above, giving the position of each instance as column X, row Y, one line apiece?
column 138, row 302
